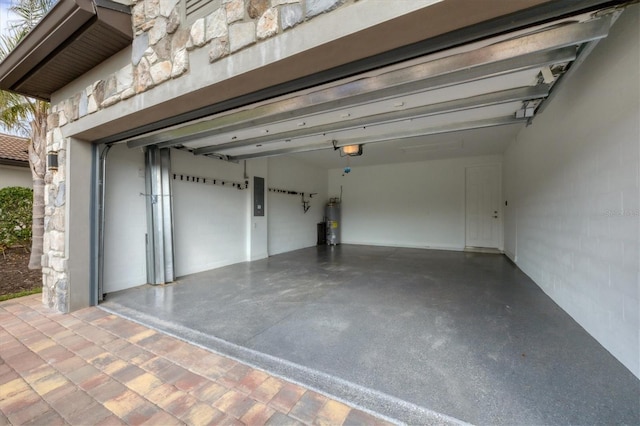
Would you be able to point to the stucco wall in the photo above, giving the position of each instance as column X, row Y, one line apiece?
column 15, row 176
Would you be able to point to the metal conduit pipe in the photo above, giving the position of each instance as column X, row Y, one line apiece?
column 102, row 187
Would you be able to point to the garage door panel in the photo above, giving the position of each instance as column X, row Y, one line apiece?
column 125, row 227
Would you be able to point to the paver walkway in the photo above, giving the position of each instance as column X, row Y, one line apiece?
column 94, row 368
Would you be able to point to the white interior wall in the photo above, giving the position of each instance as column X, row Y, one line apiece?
column 573, row 191
column 125, row 220
column 418, row 204
column 213, row 225
column 15, row 176
column 210, row 224
column 289, row 227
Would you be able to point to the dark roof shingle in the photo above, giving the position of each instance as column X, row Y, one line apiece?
column 14, row 148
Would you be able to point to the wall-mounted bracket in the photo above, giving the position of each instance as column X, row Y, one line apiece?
column 305, row 203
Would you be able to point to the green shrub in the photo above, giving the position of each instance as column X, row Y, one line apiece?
column 15, row 216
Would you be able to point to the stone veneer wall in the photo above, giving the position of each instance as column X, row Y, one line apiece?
column 160, row 52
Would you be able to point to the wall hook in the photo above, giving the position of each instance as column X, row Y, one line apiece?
column 305, row 204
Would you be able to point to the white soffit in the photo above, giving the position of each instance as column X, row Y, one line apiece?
column 485, row 84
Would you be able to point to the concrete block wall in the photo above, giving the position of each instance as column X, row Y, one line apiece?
column 289, row 227
column 419, row 204
column 572, row 184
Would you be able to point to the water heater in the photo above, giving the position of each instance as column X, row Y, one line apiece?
column 332, row 214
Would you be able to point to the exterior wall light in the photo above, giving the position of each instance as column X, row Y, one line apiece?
column 52, row 161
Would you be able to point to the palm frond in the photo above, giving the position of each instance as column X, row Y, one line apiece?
column 19, row 114
column 28, row 14
column 16, row 112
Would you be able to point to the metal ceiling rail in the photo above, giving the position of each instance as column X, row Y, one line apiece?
column 537, row 49
column 584, row 51
column 479, row 101
column 448, row 128
column 529, row 61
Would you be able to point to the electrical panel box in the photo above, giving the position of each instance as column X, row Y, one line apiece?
column 258, row 196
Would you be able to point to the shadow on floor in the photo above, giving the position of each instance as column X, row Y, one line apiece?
column 416, row 335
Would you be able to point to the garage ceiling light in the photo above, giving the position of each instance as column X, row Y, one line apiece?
column 352, row 150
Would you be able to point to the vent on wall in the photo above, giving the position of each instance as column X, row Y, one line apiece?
column 195, row 9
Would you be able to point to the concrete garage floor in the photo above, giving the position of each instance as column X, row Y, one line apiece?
column 416, row 335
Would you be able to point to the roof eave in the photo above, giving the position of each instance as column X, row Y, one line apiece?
column 65, row 21
column 11, row 162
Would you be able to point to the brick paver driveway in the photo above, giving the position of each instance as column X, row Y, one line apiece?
column 94, row 368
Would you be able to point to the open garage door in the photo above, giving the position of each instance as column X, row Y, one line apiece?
column 502, row 81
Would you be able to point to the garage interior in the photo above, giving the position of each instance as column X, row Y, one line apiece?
column 492, row 146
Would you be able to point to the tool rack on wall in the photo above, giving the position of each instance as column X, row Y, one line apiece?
column 211, row 181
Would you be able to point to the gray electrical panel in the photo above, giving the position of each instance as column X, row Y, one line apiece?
column 258, row 196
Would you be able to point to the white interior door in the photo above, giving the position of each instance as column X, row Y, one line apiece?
column 483, row 222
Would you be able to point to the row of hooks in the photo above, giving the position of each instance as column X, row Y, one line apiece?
column 212, row 181
column 289, row 192
column 305, row 203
